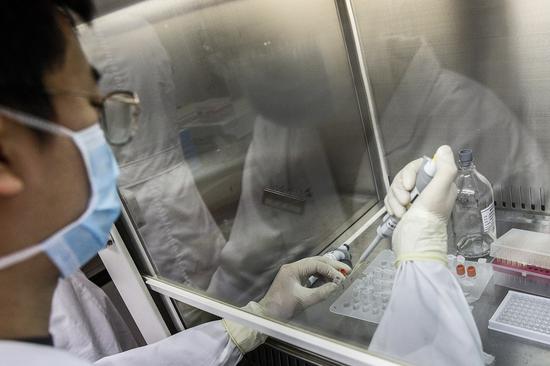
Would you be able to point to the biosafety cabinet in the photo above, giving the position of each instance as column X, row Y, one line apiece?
column 270, row 131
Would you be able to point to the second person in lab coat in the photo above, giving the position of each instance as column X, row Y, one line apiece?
column 287, row 85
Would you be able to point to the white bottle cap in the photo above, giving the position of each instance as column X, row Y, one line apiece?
column 460, row 259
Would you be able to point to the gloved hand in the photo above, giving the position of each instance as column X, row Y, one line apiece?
column 287, row 296
column 422, row 232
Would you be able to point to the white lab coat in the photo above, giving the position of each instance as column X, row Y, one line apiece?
column 85, row 321
column 263, row 237
column 179, row 232
column 428, row 321
column 207, row 344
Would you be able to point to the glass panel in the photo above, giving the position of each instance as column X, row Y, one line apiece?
column 250, row 151
column 469, row 74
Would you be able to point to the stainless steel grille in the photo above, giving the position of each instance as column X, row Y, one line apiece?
column 275, row 353
column 521, row 198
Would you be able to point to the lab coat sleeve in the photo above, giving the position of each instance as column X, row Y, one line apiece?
column 207, row 344
column 428, row 321
column 85, row 322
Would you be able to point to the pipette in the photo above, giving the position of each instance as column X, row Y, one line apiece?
column 341, row 254
column 389, row 222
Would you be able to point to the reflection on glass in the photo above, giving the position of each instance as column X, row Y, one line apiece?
column 440, row 75
column 181, row 236
column 432, row 106
column 289, row 204
column 250, row 146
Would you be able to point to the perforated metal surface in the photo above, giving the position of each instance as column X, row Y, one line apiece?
column 280, row 355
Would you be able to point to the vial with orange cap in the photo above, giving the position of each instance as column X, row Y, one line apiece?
column 471, row 272
column 460, row 270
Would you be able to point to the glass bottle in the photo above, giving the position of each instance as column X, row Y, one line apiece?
column 473, row 217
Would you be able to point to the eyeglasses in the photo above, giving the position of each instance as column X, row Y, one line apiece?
column 118, row 113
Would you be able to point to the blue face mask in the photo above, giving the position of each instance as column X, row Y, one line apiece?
column 76, row 243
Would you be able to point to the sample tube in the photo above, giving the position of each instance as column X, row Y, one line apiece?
column 471, row 271
column 460, row 270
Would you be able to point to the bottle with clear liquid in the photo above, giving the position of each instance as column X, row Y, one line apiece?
column 473, row 217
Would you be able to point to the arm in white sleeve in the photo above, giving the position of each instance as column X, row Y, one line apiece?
column 224, row 342
column 428, row 321
column 206, row 344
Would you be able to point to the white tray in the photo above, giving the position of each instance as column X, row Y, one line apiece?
column 523, row 315
column 362, row 308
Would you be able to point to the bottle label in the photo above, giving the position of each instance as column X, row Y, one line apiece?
column 488, row 218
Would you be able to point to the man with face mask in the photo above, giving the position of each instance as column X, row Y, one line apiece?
column 58, row 197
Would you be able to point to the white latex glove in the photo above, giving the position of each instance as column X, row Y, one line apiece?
column 287, row 296
column 422, row 232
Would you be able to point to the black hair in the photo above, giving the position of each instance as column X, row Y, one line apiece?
column 33, row 44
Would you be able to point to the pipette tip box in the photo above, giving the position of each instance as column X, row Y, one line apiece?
column 521, row 247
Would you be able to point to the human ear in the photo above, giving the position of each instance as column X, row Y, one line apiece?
column 10, row 183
